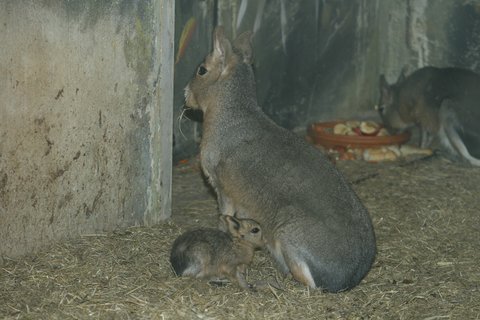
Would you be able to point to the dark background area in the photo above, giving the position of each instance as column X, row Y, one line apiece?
column 322, row 60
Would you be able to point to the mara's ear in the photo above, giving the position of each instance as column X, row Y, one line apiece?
column 221, row 45
column 222, row 223
column 243, row 43
column 233, row 225
column 385, row 90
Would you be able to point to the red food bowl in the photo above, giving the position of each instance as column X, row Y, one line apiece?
column 322, row 134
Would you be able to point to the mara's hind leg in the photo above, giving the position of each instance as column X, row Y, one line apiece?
column 301, row 272
column 461, row 148
column 449, row 136
column 288, row 262
column 320, row 278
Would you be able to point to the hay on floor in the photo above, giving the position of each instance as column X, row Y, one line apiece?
column 427, row 223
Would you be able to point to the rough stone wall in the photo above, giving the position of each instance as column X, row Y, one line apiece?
column 77, row 119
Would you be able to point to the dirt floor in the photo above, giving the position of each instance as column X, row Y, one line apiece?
column 426, row 218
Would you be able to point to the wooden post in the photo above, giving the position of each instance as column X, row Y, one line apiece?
column 161, row 121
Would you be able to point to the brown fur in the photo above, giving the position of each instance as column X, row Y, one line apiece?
column 214, row 254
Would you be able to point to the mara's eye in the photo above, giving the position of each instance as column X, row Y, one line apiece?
column 201, row 70
column 255, row 230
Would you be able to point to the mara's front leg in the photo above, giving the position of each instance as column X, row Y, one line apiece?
column 225, row 205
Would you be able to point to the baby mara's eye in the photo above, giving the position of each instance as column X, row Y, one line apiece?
column 201, row 70
column 255, row 230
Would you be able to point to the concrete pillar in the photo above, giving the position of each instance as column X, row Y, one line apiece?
column 85, row 118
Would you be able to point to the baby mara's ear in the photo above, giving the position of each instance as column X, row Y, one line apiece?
column 222, row 223
column 233, row 225
column 243, row 44
column 221, row 46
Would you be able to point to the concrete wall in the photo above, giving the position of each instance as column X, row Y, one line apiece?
column 85, row 125
column 318, row 60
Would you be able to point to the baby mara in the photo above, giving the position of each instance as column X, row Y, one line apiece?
column 214, row 254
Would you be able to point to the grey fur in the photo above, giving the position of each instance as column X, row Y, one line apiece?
column 314, row 224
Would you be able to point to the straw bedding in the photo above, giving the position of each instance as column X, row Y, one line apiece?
column 426, row 219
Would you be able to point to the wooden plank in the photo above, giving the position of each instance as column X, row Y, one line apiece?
column 161, row 122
